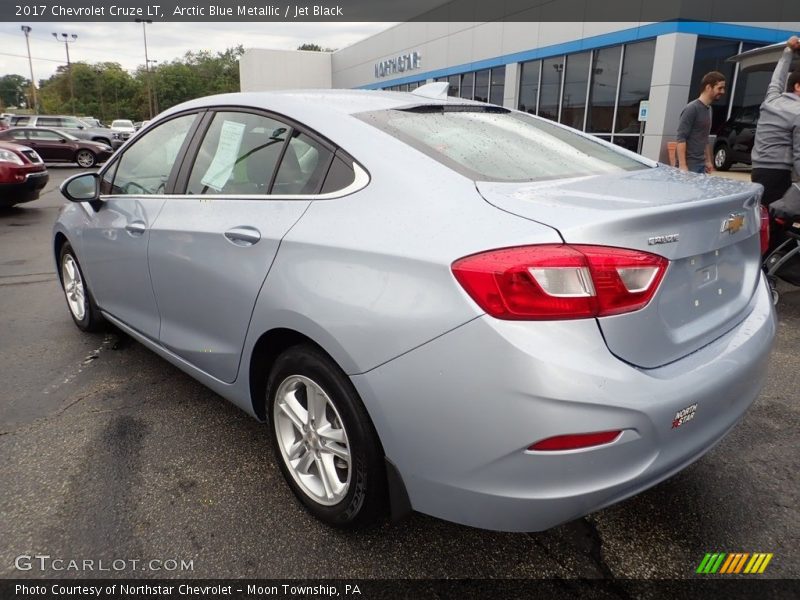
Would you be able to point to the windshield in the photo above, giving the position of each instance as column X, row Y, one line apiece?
column 122, row 124
column 493, row 144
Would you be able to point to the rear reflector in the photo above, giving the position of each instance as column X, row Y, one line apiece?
column 575, row 441
column 764, row 229
column 560, row 281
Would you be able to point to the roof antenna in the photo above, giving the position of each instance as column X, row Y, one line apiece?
column 435, row 91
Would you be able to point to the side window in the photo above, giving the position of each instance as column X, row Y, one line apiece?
column 19, row 135
column 19, row 121
column 48, row 122
column 145, row 166
column 107, row 180
column 303, row 166
column 73, row 123
column 50, row 136
column 340, row 175
column 238, row 154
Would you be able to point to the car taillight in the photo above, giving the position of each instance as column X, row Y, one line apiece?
column 575, row 441
column 560, row 281
column 764, row 228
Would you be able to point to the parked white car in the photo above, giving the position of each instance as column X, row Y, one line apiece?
column 124, row 127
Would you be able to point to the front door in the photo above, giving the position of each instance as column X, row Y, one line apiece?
column 115, row 243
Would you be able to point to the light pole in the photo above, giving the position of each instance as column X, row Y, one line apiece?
column 26, row 30
column 65, row 37
column 155, row 92
column 144, row 23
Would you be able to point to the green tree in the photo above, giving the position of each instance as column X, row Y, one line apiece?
column 14, row 90
column 314, row 48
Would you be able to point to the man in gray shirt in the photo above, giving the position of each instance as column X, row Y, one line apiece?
column 694, row 152
column 776, row 148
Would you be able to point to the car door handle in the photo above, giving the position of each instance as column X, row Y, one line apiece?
column 243, row 236
column 136, row 228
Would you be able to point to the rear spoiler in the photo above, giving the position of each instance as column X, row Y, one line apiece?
column 762, row 59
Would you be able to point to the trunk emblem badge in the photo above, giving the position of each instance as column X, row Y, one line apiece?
column 733, row 223
column 663, row 239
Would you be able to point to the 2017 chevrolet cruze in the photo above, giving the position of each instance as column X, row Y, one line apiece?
column 435, row 304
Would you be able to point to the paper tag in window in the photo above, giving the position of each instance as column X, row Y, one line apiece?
column 221, row 167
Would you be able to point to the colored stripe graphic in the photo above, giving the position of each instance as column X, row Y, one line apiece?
column 729, row 564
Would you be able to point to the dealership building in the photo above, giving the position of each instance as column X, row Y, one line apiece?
column 626, row 82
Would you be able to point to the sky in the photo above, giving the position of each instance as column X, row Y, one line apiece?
column 123, row 42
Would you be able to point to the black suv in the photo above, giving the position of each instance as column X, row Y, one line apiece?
column 72, row 125
column 735, row 138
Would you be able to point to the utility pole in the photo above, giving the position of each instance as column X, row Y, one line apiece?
column 155, row 92
column 144, row 23
column 65, row 38
column 26, row 30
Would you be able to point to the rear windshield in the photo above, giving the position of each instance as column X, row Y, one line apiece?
column 494, row 144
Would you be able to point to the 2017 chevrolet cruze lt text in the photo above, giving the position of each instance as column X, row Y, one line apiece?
column 435, row 304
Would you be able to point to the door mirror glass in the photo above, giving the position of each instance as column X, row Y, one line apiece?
column 83, row 187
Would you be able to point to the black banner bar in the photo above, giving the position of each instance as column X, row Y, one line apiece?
column 710, row 587
column 768, row 12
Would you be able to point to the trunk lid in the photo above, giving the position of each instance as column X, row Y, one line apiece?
column 694, row 221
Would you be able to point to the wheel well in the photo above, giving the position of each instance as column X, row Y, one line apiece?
column 58, row 243
column 268, row 347
column 101, row 139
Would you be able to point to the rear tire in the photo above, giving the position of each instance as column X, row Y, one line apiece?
column 324, row 440
column 85, row 159
column 722, row 158
column 80, row 303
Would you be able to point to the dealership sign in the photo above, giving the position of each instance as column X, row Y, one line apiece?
column 400, row 64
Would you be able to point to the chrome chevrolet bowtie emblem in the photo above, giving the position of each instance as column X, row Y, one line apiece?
column 733, row 223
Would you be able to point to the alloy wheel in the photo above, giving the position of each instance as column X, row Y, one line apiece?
column 312, row 440
column 85, row 159
column 74, row 289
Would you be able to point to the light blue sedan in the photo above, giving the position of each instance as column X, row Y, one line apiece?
column 436, row 305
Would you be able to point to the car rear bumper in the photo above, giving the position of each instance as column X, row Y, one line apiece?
column 457, row 415
column 23, row 191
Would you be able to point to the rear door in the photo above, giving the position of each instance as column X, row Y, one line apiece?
column 252, row 178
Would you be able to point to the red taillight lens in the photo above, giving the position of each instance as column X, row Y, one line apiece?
column 575, row 441
column 559, row 281
column 764, row 228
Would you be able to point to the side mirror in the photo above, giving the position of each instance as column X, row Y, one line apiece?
column 62, row 140
column 83, row 187
column 81, row 127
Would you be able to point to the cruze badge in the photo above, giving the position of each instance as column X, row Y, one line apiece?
column 663, row 239
column 733, row 223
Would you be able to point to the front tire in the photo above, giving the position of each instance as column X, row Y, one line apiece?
column 81, row 306
column 325, row 443
column 722, row 158
column 85, row 159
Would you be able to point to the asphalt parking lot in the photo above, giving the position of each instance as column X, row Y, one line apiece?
column 108, row 452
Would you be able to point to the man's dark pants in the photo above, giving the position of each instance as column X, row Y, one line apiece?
column 775, row 182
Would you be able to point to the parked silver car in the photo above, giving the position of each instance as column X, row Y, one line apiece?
column 436, row 304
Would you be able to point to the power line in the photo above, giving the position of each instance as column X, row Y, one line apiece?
column 33, row 57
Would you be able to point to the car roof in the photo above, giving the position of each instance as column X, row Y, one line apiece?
column 335, row 101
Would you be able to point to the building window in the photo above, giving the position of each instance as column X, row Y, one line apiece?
column 603, row 91
column 637, row 70
column 455, row 85
column 529, row 86
column 498, row 85
column 482, row 86
column 573, row 105
column 711, row 55
column 550, row 93
column 467, row 85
